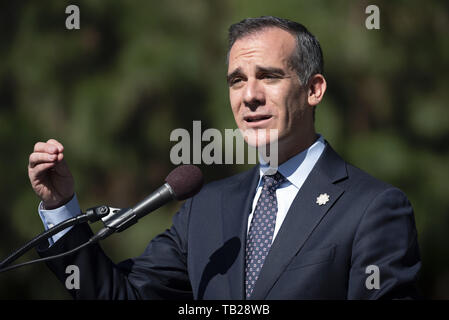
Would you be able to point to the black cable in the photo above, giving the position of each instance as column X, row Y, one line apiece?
column 85, row 244
column 92, row 214
column 43, row 236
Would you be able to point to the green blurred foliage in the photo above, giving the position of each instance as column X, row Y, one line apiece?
column 113, row 91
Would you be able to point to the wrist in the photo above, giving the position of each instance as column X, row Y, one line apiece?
column 51, row 205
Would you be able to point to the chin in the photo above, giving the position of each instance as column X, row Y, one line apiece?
column 259, row 137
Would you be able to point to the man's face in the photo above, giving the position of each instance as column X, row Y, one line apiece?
column 265, row 92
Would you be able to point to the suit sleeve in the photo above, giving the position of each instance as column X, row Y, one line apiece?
column 385, row 254
column 159, row 273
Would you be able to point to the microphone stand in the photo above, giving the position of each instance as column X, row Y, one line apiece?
column 92, row 215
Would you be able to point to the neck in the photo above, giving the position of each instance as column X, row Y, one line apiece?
column 287, row 150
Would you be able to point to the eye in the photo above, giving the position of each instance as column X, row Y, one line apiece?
column 269, row 76
column 234, row 81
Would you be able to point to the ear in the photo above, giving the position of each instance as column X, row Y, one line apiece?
column 316, row 88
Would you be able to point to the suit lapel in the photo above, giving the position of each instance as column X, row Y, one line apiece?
column 236, row 206
column 302, row 218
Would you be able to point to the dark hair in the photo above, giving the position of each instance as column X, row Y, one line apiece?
column 307, row 59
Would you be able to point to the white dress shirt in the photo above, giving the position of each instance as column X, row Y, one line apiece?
column 295, row 170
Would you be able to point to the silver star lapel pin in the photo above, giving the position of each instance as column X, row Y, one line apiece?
column 322, row 199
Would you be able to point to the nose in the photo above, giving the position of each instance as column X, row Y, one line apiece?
column 253, row 95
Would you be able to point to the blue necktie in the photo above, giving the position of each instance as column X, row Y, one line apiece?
column 261, row 231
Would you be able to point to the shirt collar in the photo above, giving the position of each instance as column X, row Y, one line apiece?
column 297, row 168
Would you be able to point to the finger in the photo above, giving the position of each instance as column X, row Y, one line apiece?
column 39, row 157
column 39, row 169
column 45, row 147
column 57, row 144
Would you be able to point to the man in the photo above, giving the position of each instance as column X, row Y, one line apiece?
column 317, row 229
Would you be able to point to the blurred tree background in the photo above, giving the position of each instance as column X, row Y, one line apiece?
column 113, row 91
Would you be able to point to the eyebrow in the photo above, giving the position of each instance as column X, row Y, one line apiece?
column 278, row 71
column 259, row 69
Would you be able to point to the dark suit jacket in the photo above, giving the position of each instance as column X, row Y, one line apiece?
column 320, row 252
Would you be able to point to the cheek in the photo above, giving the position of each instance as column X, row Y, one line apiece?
column 235, row 104
column 288, row 107
column 295, row 104
column 280, row 102
column 236, row 108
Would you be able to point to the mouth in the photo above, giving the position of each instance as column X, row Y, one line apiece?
column 257, row 119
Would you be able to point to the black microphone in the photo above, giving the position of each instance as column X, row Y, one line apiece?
column 181, row 183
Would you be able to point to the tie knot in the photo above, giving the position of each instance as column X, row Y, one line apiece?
column 273, row 181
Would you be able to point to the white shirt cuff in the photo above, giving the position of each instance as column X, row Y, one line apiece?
column 52, row 217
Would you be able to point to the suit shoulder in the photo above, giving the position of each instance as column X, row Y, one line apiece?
column 361, row 181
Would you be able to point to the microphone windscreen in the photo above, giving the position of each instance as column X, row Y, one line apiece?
column 185, row 181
